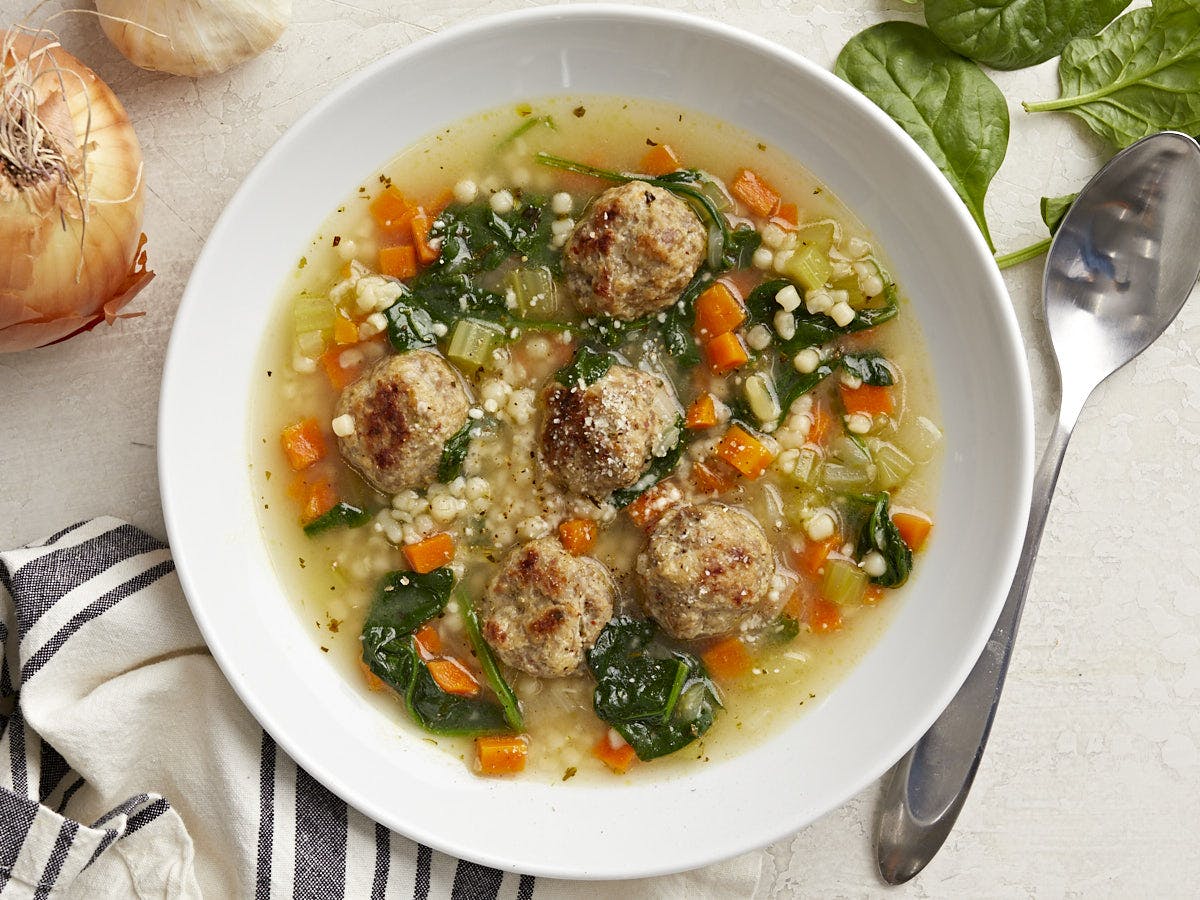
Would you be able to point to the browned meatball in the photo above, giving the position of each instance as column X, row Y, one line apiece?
column 634, row 252
column 601, row 437
column 706, row 569
column 404, row 409
column 544, row 608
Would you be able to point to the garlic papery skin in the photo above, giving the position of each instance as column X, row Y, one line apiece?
column 71, row 186
column 193, row 37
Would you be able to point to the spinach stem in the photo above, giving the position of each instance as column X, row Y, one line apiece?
column 1025, row 253
column 1049, row 105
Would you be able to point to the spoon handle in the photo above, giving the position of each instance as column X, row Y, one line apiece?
column 930, row 784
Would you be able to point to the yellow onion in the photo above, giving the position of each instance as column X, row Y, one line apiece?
column 71, row 247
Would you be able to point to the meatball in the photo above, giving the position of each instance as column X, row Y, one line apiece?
column 403, row 409
column 544, row 608
column 598, row 438
column 634, row 252
column 706, row 569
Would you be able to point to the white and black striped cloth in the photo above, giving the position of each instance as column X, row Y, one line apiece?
column 129, row 768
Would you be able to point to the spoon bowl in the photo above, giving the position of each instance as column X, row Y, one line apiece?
column 1124, row 258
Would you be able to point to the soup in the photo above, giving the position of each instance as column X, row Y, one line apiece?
column 594, row 434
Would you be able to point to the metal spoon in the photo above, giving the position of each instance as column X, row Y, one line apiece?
column 1120, row 268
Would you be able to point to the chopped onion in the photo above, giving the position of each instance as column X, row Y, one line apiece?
column 71, row 247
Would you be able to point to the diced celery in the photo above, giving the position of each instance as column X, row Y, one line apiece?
column 892, row 466
column 311, row 343
column 534, row 289
column 920, row 439
column 760, row 395
column 313, row 314
column 713, row 190
column 808, row 467
column 849, row 284
column 818, row 234
column 473, row 341
column 809, row 267
column 845, row 479
column 843, row 583
column 850, row 450
column 716, row 246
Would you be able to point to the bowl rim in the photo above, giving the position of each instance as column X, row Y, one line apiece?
column 1011, row 339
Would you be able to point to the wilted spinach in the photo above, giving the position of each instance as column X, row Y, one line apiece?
column 588, row 366
column 342, row 515
column 660, row 467
column 404, row 602
column 813, row 329
column 880, row 533
column 1137, row 77
column 871, row 368
column 945, row 102
column 454, row 453
column 487, row 662
column 1013, row 34
column 659, row 699
column 791, row 385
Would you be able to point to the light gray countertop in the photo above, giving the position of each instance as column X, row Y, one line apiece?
column 1091, row 781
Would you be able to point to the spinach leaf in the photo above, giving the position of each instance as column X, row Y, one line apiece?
column 1054, row 209
column 676, row 331
column 404, row 602
column 660, row 467
column 880, row 533
column 588, row 366
column 454, row 453
column 447, row 298
column 950, row 108
column 657, row 698
column 792, row 385
column 1139, row 76
column 813, row 329
column 783, row 630
column 1014, row 34
column 342, row 515
column 526, row 126
column 409, row 326
column 739, row 249
column 872, row 368
column 487, row 662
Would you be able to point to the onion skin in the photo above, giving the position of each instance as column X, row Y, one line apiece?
column 193, row 37
column 45, row 294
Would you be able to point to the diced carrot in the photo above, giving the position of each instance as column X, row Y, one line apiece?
column 873, row 595
column 374, row 682
column 713, row 475
column 391, row 212
column 822, row 421
column 726, row 659
column 812, row 558
column 428, row 640
column 421, row 223
column 453, row 677
column 744, row 452
column 659, row 160
column 725, row 353
column 618, row 758
column 345, row 330
column 913, row 527
column 432, row 553
column 321, row 499
column 653, row 503
column 339, row 376
column 869, row 399
column 501, row 754
column 398, row 262
column 303, row 444
column 788, row 214
column 702, row 413
column 755, row 192
column 717, row 312
column 823, row 616
column 578, row 536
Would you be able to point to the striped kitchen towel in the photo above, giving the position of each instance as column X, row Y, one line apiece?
column 128, row 767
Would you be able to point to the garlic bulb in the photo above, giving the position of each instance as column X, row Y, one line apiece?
column 193, row 37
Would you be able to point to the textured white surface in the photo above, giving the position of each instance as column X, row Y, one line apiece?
column 1089, row 784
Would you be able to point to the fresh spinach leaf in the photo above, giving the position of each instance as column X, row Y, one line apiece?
column 871, row 368
column 404, row 602
column 342, row 515
column 657, row 698
column 881, row 534
column 945, row 102
column 1014, row 34
column 588, row 366
column 1139, row 76
column 487, row 662
column 454, row 453
column 1054, row 209
column 660, row 467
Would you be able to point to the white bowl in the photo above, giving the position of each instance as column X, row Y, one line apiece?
column 715, row 811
